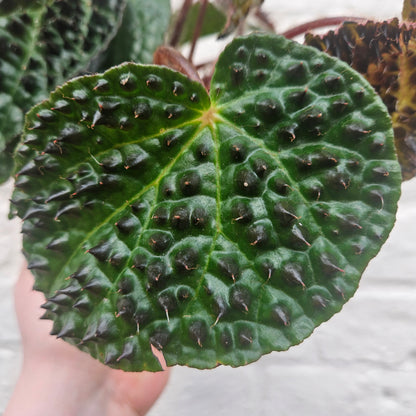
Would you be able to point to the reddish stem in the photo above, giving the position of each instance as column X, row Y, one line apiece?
column 321, row 23
column 177, row 31
column 265, row 20
column 198, row 27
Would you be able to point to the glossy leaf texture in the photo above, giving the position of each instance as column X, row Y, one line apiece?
column 144, row 25
column 215, row 228
column 385, row 53
column 41, row 48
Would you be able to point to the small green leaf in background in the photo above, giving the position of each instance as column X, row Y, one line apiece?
column 213, row 23
column 142, row 30
column 215, row 228
column 41, row 48
column 385, row 53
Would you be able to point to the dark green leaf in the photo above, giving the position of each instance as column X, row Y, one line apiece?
column 10, row 6
column 142, row 30
column 42, row 48
column 106, row 18
column 215, row 228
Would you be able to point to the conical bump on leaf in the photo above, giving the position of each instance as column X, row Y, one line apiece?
column 215, row 229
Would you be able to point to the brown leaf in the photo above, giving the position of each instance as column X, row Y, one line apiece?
column 237, row 12
column 385, row 53
column 409, row 10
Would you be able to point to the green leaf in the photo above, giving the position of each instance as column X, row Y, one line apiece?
column 213, row 23
column 44, row 47
column 10, row 6
column 216, row 228
column 142, row 30
column 105, row 21
column 385, row 53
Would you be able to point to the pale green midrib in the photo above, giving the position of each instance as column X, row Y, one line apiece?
column 155, row 183
column 194, row 136
column 60, row 276
column 217, row 219
column 263, row 286
column 221, row 232
column 275, row 156
column 243, row 97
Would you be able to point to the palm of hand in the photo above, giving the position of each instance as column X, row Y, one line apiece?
column 56, row 378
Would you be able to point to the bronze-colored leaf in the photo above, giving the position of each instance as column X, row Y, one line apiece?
column 237, row 12
column 385, row 53
column 409, row 10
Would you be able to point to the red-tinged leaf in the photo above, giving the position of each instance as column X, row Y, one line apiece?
column 384, row 52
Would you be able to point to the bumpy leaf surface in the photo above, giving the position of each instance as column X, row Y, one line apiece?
column 215, row 228
column 9, row 6
column 142, row 30
column 385, row 53
column 41, row 48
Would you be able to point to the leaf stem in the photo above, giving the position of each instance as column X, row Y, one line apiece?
column 177, row 31
column 198, row 28
column 264, row 18
column 320, row 23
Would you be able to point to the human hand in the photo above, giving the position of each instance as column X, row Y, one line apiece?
column 58, row 379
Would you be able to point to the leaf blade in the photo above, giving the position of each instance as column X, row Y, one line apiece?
column 41, row 48
column 230, row 238
column 141, row 32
